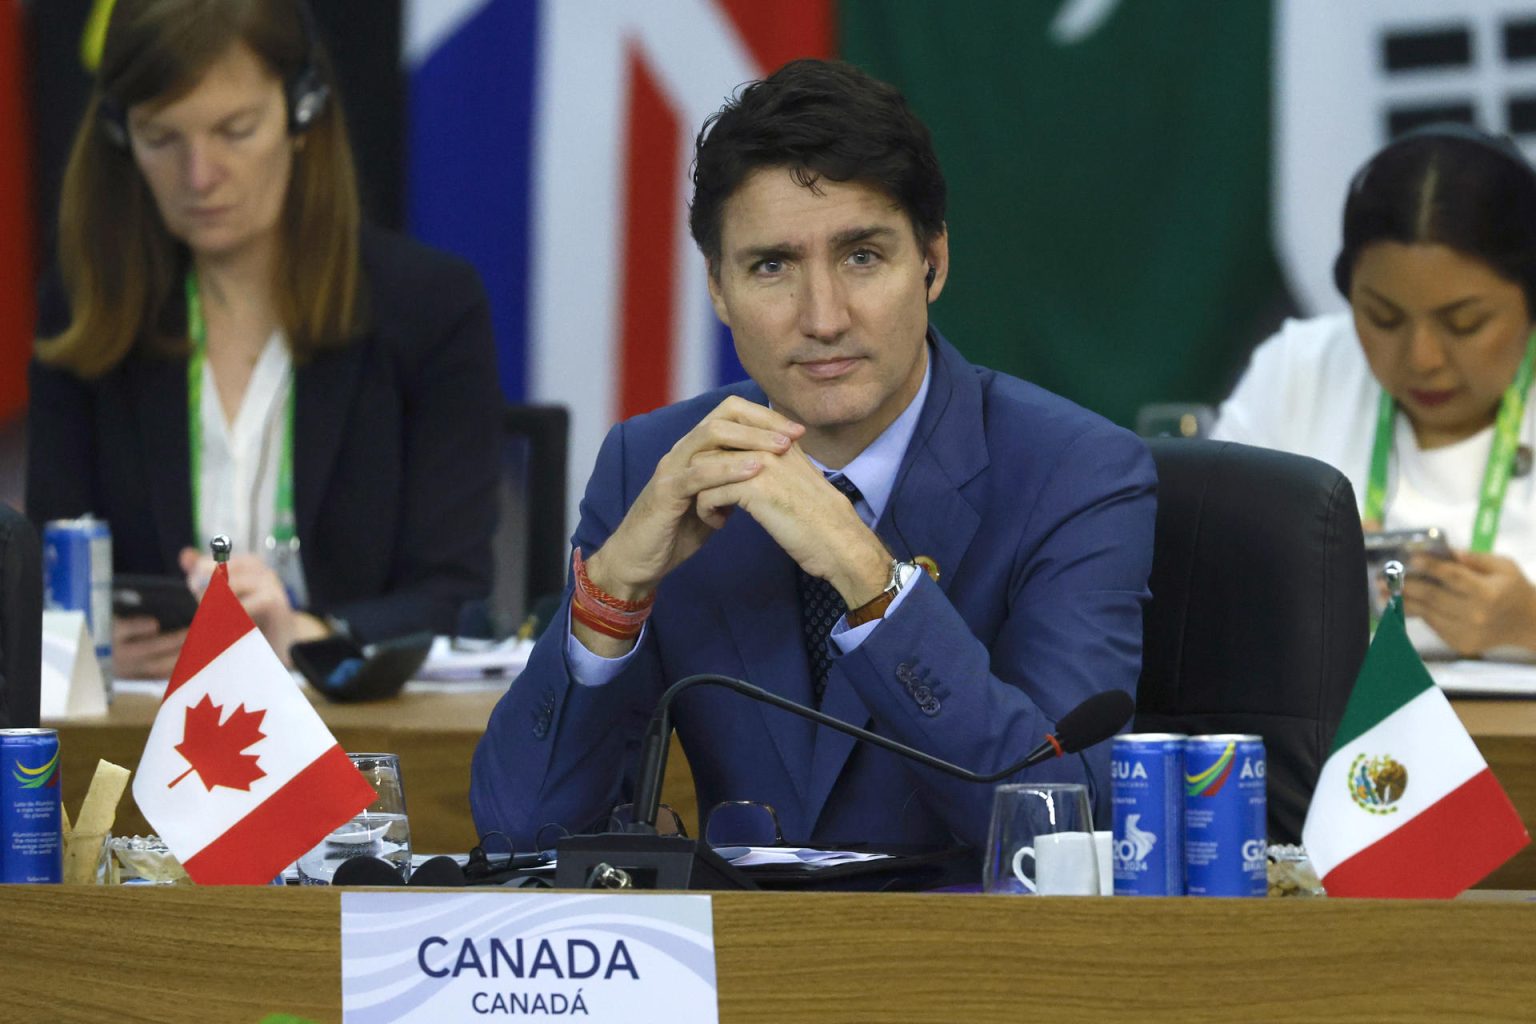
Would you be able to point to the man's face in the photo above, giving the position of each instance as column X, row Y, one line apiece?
column 825, row 293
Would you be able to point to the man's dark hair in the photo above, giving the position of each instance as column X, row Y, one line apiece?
column 820, row 119
column 1451, row 185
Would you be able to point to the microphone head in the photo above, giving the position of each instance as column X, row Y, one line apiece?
column 1094, row 720
column 367, row 871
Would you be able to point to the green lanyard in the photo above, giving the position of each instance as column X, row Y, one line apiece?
column 284, row 534
column 1501, row 458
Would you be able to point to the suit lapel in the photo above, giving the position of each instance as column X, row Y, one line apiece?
column 764, row 623
column 927, row 515
column 323, row 395
column 160, row 407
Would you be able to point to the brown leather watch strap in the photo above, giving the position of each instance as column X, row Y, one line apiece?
column 869, row 611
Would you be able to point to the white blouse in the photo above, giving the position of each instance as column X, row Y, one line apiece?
column 241, row 459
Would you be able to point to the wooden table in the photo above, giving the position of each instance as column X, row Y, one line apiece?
column 210, row 955
column 435, row 734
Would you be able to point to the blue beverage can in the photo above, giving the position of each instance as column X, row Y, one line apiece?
column 78, row 578
column 1225, row 807
column 31, row 836
column 1147, row 781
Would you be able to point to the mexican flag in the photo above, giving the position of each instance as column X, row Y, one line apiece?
column 1405, row 805
column 240, row 776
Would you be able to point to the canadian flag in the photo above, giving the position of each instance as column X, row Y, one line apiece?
column 240, row 776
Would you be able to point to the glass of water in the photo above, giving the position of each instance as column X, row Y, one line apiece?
column 379, row 830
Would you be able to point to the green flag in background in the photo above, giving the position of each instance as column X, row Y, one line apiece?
column 1109, row 184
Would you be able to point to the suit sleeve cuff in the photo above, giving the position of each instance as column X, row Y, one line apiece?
column 847, row 640
column 588, row 669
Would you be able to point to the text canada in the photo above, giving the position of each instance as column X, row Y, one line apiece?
column 493, row 958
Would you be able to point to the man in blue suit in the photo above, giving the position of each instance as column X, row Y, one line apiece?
column 727, row 533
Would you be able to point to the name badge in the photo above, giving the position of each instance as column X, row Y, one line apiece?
column 472, row 956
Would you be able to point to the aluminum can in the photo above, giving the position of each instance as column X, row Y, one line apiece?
column 78, row 577
column 31, row 839
column 1225, row 806
column 1147, row 781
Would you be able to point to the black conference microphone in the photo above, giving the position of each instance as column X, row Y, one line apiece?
column 1094, row 720
column 647, row 860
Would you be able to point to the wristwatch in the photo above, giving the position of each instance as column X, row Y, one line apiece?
column 869, row 611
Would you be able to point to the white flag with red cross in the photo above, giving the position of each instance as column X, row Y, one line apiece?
column 240, row 776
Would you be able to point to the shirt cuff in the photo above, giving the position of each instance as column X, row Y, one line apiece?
column 588, row 669
column 848, row 640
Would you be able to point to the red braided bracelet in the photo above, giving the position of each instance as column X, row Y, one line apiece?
column 579, row 613
column 584, row 584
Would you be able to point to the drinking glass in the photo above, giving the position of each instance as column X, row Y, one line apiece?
column 1041, row 841
column 379, row 830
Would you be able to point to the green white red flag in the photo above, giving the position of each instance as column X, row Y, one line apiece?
column 240, row 776
column 1405, row 805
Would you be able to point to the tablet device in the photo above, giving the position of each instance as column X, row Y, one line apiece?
column 165, row 599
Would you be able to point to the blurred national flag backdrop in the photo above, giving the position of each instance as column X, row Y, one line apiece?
column 1107, row 162
column 550, row 143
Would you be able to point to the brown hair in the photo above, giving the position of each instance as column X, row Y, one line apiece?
column 122, row 269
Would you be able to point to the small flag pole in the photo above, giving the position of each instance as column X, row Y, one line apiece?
column 1393, row 571
column 221, row 548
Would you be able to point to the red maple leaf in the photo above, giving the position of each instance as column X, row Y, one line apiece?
column 214, row 749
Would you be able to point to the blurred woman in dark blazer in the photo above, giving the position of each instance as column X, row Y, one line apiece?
column 235, row 352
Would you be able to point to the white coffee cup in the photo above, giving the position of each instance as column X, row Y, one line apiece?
column 1063, row 864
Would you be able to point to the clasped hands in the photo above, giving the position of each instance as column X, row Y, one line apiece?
column 1475, row 602
column 742, row 456
column 141, row 651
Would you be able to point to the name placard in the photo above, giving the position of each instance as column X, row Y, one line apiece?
column 438, row 957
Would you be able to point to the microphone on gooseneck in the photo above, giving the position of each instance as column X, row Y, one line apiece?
column 1093, row 721
column 639, row 858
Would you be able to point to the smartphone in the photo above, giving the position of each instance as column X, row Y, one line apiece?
column 1382, row 546
column 345, row 672
column 165, row 599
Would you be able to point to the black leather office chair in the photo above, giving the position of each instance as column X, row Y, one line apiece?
column 1258, row 620
column 529, row 546
column 21, row 620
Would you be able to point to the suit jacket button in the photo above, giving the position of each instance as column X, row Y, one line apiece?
column 922, row 694
column 930, row 707
column 904, row 672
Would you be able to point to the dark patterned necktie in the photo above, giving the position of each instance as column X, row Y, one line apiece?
column 820, row 607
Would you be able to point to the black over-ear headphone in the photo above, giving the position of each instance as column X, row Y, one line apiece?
column 1501, row 145
column 306, row 91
